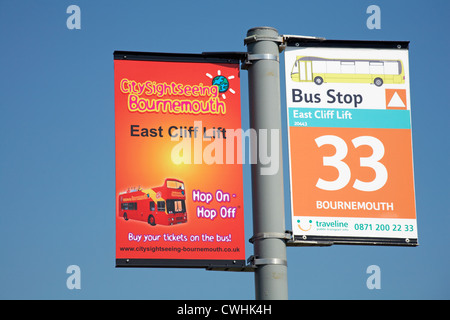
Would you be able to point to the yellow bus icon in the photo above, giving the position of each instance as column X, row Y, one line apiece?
column 320, row 70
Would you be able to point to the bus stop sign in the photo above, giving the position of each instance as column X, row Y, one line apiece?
column 350, row 145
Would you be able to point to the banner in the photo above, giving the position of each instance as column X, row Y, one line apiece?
column 349, row 118
column 179, row 183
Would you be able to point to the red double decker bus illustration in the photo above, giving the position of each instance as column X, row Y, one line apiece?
column 165, row 205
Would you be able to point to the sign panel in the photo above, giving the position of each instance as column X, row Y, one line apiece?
column 179, row 179
column 349, row 118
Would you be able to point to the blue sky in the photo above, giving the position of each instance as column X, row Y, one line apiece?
column 57, row 146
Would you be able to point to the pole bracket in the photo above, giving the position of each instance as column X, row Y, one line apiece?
column 262, row 56
column 255, row 262
column 256, row 38
column 255, row 57
column 271, row 235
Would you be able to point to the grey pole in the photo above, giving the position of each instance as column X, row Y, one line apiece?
column 267, row 185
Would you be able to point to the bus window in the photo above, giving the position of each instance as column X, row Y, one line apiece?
column 362, row 67
column 376, row 67
column 176, row 206
column 319, row 66
column 333, row 67
column 391, row 67
column 161, row 206
column 129, row 206
column 152, row 206
column 295, row 68
column 175, row 185
column 348, row 67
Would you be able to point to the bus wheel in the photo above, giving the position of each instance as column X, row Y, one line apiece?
column 318, row 80
column 378, row 82
column 125, row 216
column 151, row 220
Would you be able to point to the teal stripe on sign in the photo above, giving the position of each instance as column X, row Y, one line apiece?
column 350, row 118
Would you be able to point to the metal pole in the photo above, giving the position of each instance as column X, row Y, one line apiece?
column 267, row 185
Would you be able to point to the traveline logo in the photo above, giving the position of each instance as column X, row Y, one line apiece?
column 307, row 225
column 331, row 224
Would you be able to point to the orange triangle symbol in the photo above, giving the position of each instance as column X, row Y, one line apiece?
column 396, row 102
column 396, row 99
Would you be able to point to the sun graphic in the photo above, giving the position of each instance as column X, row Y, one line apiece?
column 222, row 82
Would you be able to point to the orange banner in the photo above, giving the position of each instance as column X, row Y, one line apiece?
column 392, row 196
column 179, row 193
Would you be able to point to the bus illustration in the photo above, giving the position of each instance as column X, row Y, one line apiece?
column 320, row 70
column 163, row 205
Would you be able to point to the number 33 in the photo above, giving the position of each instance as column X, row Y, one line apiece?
column 381, row 174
